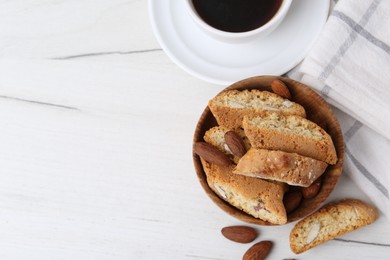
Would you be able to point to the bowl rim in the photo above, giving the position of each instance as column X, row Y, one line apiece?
column 335, row 171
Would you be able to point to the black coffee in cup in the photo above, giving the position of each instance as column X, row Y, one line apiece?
column 236, row 15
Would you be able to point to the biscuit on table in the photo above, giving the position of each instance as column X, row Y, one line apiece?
column 331, row 221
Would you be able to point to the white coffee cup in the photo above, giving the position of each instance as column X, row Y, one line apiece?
column 237, row 37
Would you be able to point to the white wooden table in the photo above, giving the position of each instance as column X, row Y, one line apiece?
column 96, row 130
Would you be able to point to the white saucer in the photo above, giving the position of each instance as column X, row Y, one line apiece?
column 224, row 63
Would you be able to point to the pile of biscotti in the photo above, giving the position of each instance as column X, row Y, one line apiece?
column 264, row 157
column 262, row 146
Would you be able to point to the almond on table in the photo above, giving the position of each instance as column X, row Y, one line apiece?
column 258, row 251
column 240, row 234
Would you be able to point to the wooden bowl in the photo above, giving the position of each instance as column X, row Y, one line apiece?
column 317, row 110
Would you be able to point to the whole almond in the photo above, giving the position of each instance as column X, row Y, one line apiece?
column 279, row 88
column 240, row 234
column 211, row 154
column 258, row 251
column 312, row 190
column 291, row 200
column 235, row 143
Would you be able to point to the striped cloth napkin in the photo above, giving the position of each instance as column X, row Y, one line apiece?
column 350, row 66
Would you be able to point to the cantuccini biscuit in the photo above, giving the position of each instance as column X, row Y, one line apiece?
column 230, row 107
column 331, row 221
column 260, row 198
column 289, row 133
column 291, row 168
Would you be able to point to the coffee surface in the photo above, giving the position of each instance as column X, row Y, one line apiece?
column 236, row 15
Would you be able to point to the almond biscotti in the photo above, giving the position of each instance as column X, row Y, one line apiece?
column 289, row 133
column 259, row 198
column 291, row 168
column 230, row 107
column 331, row 221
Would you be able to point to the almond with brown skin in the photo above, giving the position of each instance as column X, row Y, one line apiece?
column 235, row 143
column 279, row 88
column 240, row 234
column 211, row 154
column 312, row 190
column 258, row 251
column 291, row 200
